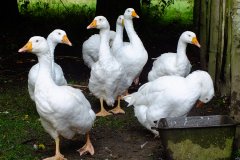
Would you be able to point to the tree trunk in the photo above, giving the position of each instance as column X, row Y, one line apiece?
column 235, row 60
column 9, row 11
column 213, row 38
column 224, row 60
column 221, row 75
column 203, row 31
column 196, row 15
column 111, row 9
column 216, row 40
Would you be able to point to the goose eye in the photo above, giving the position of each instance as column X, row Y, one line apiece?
column 59, row 33
column 206, row 99
column 37, row 41
column 100, row 19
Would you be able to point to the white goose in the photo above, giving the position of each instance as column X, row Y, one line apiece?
column 63, row 110
column 55, row 37
column 107, row 72
column 170, row 96
column 174, row 63
column 133, row 56
column 90, row 48
column 118, row 39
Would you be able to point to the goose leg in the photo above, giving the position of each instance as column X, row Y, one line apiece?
column 103, row 111
column 124, row 94
column 88, row 147
column 58, row 155
column 118, row 108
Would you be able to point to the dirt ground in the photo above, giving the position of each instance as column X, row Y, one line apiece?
column 125, row 141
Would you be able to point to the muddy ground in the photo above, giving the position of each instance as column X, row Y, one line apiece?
column 126, row 140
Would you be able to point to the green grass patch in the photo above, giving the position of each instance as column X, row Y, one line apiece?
column 20, row 127
column 181, row 12
column 177, row 11
column 75, row 10
column 115, row 122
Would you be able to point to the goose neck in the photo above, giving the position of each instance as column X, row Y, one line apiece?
column 104, row 49
column 132, row 35
column 181, row 47
column 118, row 40
column 45, row 70
column 52, row 46
column 119, row 30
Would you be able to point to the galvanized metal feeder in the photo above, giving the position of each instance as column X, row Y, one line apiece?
column 198, row 137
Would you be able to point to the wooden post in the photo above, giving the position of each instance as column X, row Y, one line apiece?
column 204, row 18
column 225, row 75
column 213, row 38
column 235, row 60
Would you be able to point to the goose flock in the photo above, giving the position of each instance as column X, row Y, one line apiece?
column 171, row 91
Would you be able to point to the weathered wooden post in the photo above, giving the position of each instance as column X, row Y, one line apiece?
column 235, row 59
column 220, row 40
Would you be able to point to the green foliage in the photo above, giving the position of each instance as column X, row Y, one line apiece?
column 236, row 154
column 167, row 12
column 159, row 11
column 180, row 12
column 158, row 7
column 23, row 6
column 52, row 9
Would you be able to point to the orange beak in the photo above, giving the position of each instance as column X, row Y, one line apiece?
column 134, row 14
column 26, row 48
column 66, row 40
column 92, row 25
column 199, row 104
column 195, row 42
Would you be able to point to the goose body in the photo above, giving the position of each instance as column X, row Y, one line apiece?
column 90, row 48
column 107, row 72
column 55, row 37
column 133, row 56
column 170, row 96
column 63, row 110
column 174, row 63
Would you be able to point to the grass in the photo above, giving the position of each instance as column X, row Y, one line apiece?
column 22, row 136
column 180, row 11
column 55, row 11
column 114, row 122
column 20, row 127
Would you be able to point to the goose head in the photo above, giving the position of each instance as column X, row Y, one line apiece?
column 207, row 88
column 36, row 45
column 130, row 13
column 99, row 22
column 120, row 20
column 59, row 36
column 189, row 37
